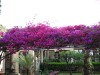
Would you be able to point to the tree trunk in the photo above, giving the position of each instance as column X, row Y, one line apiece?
column 7, row 64
column 88, row 67
column 27, row 72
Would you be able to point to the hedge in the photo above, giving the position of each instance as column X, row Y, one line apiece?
column 63, row 66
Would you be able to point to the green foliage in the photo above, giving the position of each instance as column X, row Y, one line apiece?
column 25, row 61
column 62, row 66
column 45, row 59
column 72, row 54
column 96, row 63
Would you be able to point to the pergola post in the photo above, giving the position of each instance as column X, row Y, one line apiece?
column 16, row 63
column 41, row 56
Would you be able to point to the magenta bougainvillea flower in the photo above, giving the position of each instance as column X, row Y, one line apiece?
column 44, row 36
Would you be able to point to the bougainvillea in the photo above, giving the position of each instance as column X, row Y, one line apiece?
column 13, row 39
column 44, row 36
column 74, row 35
column 93, row 37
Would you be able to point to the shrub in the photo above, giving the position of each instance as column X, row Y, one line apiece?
column 63, row 66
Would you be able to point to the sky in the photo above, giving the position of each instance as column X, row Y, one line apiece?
column 57, row 12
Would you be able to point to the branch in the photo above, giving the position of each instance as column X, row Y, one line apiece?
column 6, row 56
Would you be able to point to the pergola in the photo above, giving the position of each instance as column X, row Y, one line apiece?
column 42, row 36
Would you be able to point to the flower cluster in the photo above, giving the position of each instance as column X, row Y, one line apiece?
column 44, row 36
